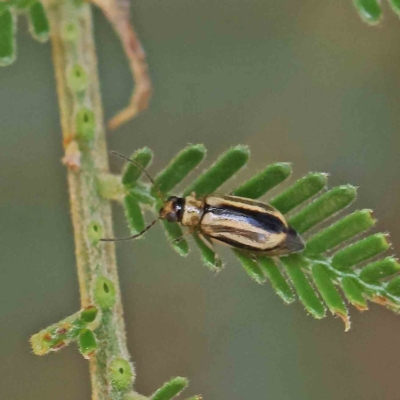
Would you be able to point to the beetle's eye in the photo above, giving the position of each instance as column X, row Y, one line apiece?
column 171, row 217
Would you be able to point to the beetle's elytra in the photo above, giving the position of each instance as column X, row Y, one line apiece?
column 239, row 222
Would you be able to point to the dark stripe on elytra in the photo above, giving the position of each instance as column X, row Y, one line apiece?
column 239, row 245
column 266, row 221
column 246, row 234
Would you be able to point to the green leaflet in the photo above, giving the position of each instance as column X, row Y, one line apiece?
column 374, row 272
column 131, row 173
column 354, row 292
column 369, row 10
column 360, row 251
column 87, row 343
column 393, row 287
column 170, row 389
column 328, row 292
column 133, row 214
column 278, row 281
column 180, row 166
column 38, row 22
column 89, row 314
column 264, row 181
column 224, row 168
column 251, row 266
column 142, row 196
column 210, row 259
column 339, row 232
column 174, row 234
column 294, row 266
column 299, row 192
column 8, row 29
column 322, row 208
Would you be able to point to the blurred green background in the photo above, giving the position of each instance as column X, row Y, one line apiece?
column 305, row 82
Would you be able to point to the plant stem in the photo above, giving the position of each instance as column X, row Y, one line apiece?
column 88, row 209
column 110, row 187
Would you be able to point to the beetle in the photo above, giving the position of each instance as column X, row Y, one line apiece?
column 239, row 222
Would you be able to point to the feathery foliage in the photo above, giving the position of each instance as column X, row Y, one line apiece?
column 170, row 389
column 335, row 258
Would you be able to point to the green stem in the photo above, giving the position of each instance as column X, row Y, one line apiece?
column 73, row 46
column 110, row 187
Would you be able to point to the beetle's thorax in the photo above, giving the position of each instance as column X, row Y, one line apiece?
column 193, row 211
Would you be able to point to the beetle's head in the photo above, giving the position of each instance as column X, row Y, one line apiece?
column 173, row 209
column 294, row 242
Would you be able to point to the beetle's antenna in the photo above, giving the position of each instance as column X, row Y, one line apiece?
column 135, row 163
column 131, row 237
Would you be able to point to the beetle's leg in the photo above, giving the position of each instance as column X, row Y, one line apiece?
column 210, row 245
column 190, row 230
column 251, row 254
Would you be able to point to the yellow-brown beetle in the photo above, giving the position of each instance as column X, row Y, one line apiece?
column 239, row 222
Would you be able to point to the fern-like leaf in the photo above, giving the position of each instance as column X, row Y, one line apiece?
column 335, row 257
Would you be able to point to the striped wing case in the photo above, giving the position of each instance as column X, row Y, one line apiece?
column 249, row 225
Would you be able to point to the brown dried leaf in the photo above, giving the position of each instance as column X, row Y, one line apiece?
column 117, row 12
